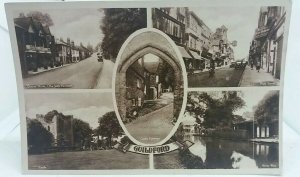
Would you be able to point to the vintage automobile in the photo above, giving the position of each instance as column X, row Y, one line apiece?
column 232, row 64
column 100, row 57
column 240, row 64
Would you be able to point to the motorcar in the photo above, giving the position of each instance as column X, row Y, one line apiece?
column 240, row 64
column 232, row 64
column 100, row 57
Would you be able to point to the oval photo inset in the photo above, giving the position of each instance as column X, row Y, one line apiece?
column 149, row 87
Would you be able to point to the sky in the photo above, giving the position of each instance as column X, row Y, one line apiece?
column 85, row 106
column 240, row 21
column 251, row 98
column 81, row 27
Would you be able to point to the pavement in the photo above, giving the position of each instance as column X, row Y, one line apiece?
column 152, row 127
column 254, row 78
column 86, row 74
column 224, row 77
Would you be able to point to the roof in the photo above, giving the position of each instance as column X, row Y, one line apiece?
column 23, row 22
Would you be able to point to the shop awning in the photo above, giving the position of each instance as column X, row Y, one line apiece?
column 206, row 55
column 184, row 52
column 196, row 55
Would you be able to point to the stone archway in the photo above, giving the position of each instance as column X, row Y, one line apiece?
column 145, row 43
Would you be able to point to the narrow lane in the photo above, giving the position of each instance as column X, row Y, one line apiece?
column 153, row 127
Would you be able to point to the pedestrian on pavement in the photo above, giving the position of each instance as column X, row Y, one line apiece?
column 212, row 68
column 251, row 64
column 257, row 65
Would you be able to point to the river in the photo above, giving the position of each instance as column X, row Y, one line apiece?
column 212, row 153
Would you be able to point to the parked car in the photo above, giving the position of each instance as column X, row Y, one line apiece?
column 240, row 64
column 100, row 57
column 232, row 64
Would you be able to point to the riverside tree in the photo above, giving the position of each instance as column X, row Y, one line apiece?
column 215, row 109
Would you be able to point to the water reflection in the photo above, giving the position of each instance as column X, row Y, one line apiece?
column 217, row 153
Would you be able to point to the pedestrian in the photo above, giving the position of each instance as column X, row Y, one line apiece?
column 251, row 64
column 257, row 65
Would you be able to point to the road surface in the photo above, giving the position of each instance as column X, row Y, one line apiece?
column 105, row 78
column 82, row 75
column 224, row 77
column 153, row 127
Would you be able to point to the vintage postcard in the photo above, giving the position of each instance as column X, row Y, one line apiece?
column 146, row 87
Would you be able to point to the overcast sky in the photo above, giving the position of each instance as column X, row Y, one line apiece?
column 240, row 21
column 85, row 106
column 251, row 98
column 81, row 25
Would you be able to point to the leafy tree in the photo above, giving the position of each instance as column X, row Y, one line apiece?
column 215, row 110
column 109, row 126
column 267, row 109
column 43, row 18
column 81, row 132
column 38, row 138
column 117, row 25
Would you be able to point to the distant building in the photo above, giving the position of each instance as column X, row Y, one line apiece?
column 35, row 44
column 61, row 127
column 196, row 42
column 221, row 46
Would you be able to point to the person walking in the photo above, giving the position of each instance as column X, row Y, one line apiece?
column 257, row 64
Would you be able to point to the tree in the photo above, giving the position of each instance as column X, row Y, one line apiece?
column 267, row 109
column 215, row 108
column 117, row 25
column 38, row 138
column 109, row 126
column 44, row 18
column 90, row 47
column 81, row 132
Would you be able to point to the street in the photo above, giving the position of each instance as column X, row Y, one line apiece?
column 85, row 74
column 154, row 126
column 224, row 77
column 88, row 160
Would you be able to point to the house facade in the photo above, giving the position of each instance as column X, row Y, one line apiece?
column 196, row 42
column 267, row 44
column 36, row 45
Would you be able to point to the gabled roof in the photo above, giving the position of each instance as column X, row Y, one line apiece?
column 26, row 22
column 23, row 22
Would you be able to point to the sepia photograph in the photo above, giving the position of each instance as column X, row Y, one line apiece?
column 227, row 47
column 61, row 48
column 76, row 131
column 229, row 129
column 149, row 86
